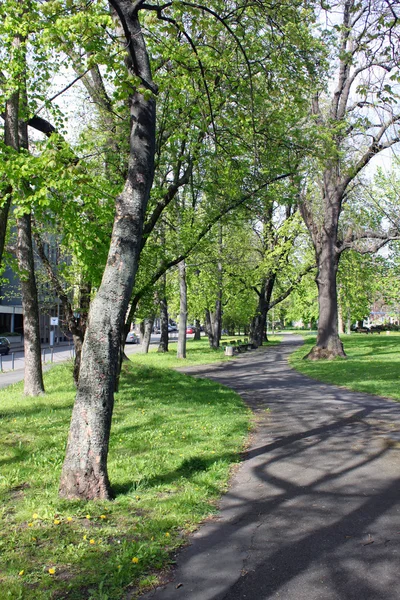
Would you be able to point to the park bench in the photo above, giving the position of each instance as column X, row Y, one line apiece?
column 238, row 345
column 363, row 330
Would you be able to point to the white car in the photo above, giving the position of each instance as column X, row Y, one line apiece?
column 132, row 338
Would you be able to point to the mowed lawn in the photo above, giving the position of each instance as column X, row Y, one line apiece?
column 372, row 364
column 174, row 441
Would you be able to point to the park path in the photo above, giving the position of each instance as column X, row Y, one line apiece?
column 313, row 512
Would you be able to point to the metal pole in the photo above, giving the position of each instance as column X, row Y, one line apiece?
column 1, row 362
column 12, row 360
column 52, row 354
column 44, row 355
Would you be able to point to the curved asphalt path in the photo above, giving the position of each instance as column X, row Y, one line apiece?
column 313, row 512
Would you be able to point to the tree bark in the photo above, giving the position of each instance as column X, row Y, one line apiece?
column 16, row 136
column 181, row 352
column 348, row 322
column 84, row 473
column 197, row 332
column 340, row 320
column 258, row 330
column 147, row 331
column 33, row 377
column 258, row 322
column 328, row 344
column 163, row 345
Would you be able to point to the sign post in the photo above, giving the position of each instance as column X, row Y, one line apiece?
column 53, row 323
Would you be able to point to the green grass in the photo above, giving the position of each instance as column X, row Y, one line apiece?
column 372, row 364
column 198, row 353
column 174, row 440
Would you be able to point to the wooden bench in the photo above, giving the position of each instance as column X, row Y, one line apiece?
column 363, row 330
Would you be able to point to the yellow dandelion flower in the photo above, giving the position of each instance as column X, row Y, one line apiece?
column 52, row 571
column 167, row 534
column 88, row 516
column 56, row 522
column 30, row 524
column 35, row 516
column 21, row 573
column 135, row 560
column 85, row 537
column 69, row 518
column 92, row 541
column 103, row 517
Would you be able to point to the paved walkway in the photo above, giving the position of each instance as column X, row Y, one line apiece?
column 313, row 512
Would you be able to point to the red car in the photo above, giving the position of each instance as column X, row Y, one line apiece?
column 190, row 329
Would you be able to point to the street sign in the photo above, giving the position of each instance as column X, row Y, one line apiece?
column 53, row 320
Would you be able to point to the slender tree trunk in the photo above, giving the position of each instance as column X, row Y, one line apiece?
column 340, row 320
column 11, row 139
column 197, row 332
column 147, row 331
column 163, row 345
column 84, row 473
column 213, row 322
column 33, row 378
column 16, row 136
column 181, row 352
column 348, row 322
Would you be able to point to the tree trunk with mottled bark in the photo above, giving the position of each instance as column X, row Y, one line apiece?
column 84, row 473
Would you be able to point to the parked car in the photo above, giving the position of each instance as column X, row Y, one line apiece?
column 4, row 345
column 189, row 329
column 172, row 328
column 132, row 338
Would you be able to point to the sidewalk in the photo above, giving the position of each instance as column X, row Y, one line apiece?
column 313, row 512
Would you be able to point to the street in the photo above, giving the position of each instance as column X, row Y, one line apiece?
column 12, row 366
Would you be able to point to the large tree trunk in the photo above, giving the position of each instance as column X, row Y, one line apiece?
column 181, row 352
column 84, row 473
column 258, row 322
column 328, row 344
column 258, row 330
column 147, row 331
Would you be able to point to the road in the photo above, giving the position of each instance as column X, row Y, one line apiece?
column 12, row 366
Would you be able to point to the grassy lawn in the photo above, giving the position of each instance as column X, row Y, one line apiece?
column 198, row 353
column 372, row 364
column 174, row 440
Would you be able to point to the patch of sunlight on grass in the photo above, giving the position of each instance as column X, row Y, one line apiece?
column 372, row 364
